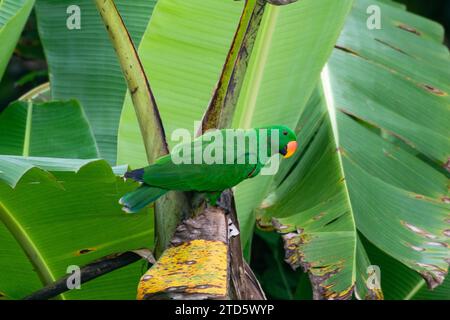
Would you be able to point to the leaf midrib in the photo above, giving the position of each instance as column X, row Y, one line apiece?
column 415, row 290
column 27, row 135
column 329, row 101
column 28, row 246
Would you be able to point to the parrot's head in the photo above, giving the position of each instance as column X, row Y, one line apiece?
column 287, row 140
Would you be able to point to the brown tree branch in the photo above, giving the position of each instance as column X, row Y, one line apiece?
column 89, row 272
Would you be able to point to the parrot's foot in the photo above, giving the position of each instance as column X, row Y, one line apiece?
column 225, row 201
column 197, row 200
column 223, row 205
column 213, row 197
column 214, row 201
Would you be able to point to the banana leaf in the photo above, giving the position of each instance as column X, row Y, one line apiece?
column 57, row 212
column 373, row 158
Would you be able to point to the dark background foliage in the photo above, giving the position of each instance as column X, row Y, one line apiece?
column 438, row 10
column 27, row 67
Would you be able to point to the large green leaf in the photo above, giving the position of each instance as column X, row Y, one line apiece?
column 311, row 208
column 13, row 16
column 69, row 216
column 59, row 212
column 404, row 94
column 381, row 102
column 83, row 64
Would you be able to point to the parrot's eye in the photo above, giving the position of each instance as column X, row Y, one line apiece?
column 285, row 132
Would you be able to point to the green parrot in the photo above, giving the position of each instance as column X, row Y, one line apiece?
column 230, row 162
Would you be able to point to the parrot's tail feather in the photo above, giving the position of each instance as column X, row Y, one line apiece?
column 136, row 175
column 141, row 197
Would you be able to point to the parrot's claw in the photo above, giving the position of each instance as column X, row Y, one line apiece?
column 224, row 202
column 223, row 207
column 197, row 200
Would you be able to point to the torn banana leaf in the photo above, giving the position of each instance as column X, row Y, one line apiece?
column 374, row 149
column 311, row 208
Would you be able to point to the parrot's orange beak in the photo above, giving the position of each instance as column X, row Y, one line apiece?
column 290, row 149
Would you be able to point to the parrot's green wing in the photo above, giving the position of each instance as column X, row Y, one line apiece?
column 188, row 176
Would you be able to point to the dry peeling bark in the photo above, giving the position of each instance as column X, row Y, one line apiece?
column 244, row 284
column 202, row 262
